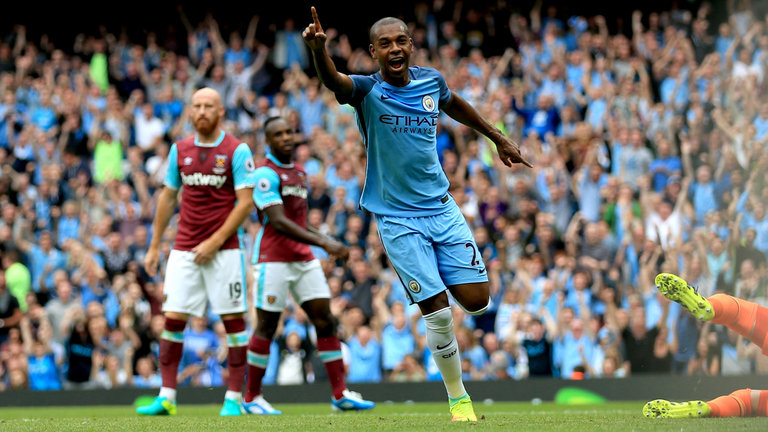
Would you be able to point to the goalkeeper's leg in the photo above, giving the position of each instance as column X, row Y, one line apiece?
column 744, row 317
column 741, row 403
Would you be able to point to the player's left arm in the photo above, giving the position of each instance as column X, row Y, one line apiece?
column 284, row 225
column 460, row 110
column 242, row 167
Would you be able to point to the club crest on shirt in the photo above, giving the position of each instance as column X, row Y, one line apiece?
column 414, row 286
column 220, row 164
column 271, row 299
column 428, row 103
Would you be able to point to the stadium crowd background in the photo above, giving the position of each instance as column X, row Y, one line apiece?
column 647, row 133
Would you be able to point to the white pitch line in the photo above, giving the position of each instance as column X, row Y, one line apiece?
column 512, row 413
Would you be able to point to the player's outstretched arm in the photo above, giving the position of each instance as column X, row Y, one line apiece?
column 461, row 111
column 315, row 38
column 280, row 222
column 166, row 204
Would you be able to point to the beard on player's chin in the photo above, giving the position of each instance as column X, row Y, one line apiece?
column 205, row 127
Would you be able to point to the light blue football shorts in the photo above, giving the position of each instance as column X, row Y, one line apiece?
column 431, row 253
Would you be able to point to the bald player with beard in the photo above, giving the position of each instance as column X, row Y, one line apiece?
column 212, row 169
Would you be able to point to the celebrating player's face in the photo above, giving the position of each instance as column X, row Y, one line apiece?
column 392, row 48
column 206, row 110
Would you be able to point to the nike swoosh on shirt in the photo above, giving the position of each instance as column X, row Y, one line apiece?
column 384, row 97
column 444, row 346
column 481, row 271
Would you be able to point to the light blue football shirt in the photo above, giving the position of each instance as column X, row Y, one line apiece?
column 398, row 124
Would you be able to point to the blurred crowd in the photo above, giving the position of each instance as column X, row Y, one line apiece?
column 648, row 137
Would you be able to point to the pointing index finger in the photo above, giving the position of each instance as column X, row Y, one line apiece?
column 318, row 27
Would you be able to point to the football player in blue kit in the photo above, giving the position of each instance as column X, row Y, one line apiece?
column 422, row 229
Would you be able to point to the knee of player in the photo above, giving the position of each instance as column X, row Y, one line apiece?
column 324, row 325
column 440, row 321
column 476, row 307
column 266, row 330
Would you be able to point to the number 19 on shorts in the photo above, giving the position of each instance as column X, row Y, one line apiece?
column 235, row 290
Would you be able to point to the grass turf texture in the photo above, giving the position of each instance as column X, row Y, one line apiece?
column 499, row 416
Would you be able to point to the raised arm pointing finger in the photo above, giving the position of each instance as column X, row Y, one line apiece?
column 313, row 34
column 318, row 27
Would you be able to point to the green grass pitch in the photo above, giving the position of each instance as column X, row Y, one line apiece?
column 498, row 416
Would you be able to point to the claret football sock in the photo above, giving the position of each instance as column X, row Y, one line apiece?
column 329, row 349
column 237, row 340
column 258, row 358
column 171, row 345
column 744, row 317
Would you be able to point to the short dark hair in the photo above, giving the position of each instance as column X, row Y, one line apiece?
column 386, row 21
column 271, row 120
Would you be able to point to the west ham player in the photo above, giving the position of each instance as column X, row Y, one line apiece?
column 213, row 169
column 423, row 231
column 283, row 263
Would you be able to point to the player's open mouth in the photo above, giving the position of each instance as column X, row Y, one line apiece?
column 397, row 63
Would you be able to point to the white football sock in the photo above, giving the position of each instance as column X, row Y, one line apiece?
column 168, row 393
column 233, row 395
column 441, row 341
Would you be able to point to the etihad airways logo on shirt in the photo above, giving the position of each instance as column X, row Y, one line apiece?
column 410, row 124
column 198, row 179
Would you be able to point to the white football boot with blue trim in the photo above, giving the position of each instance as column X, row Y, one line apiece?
column 351, row 401
column 258, row 406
